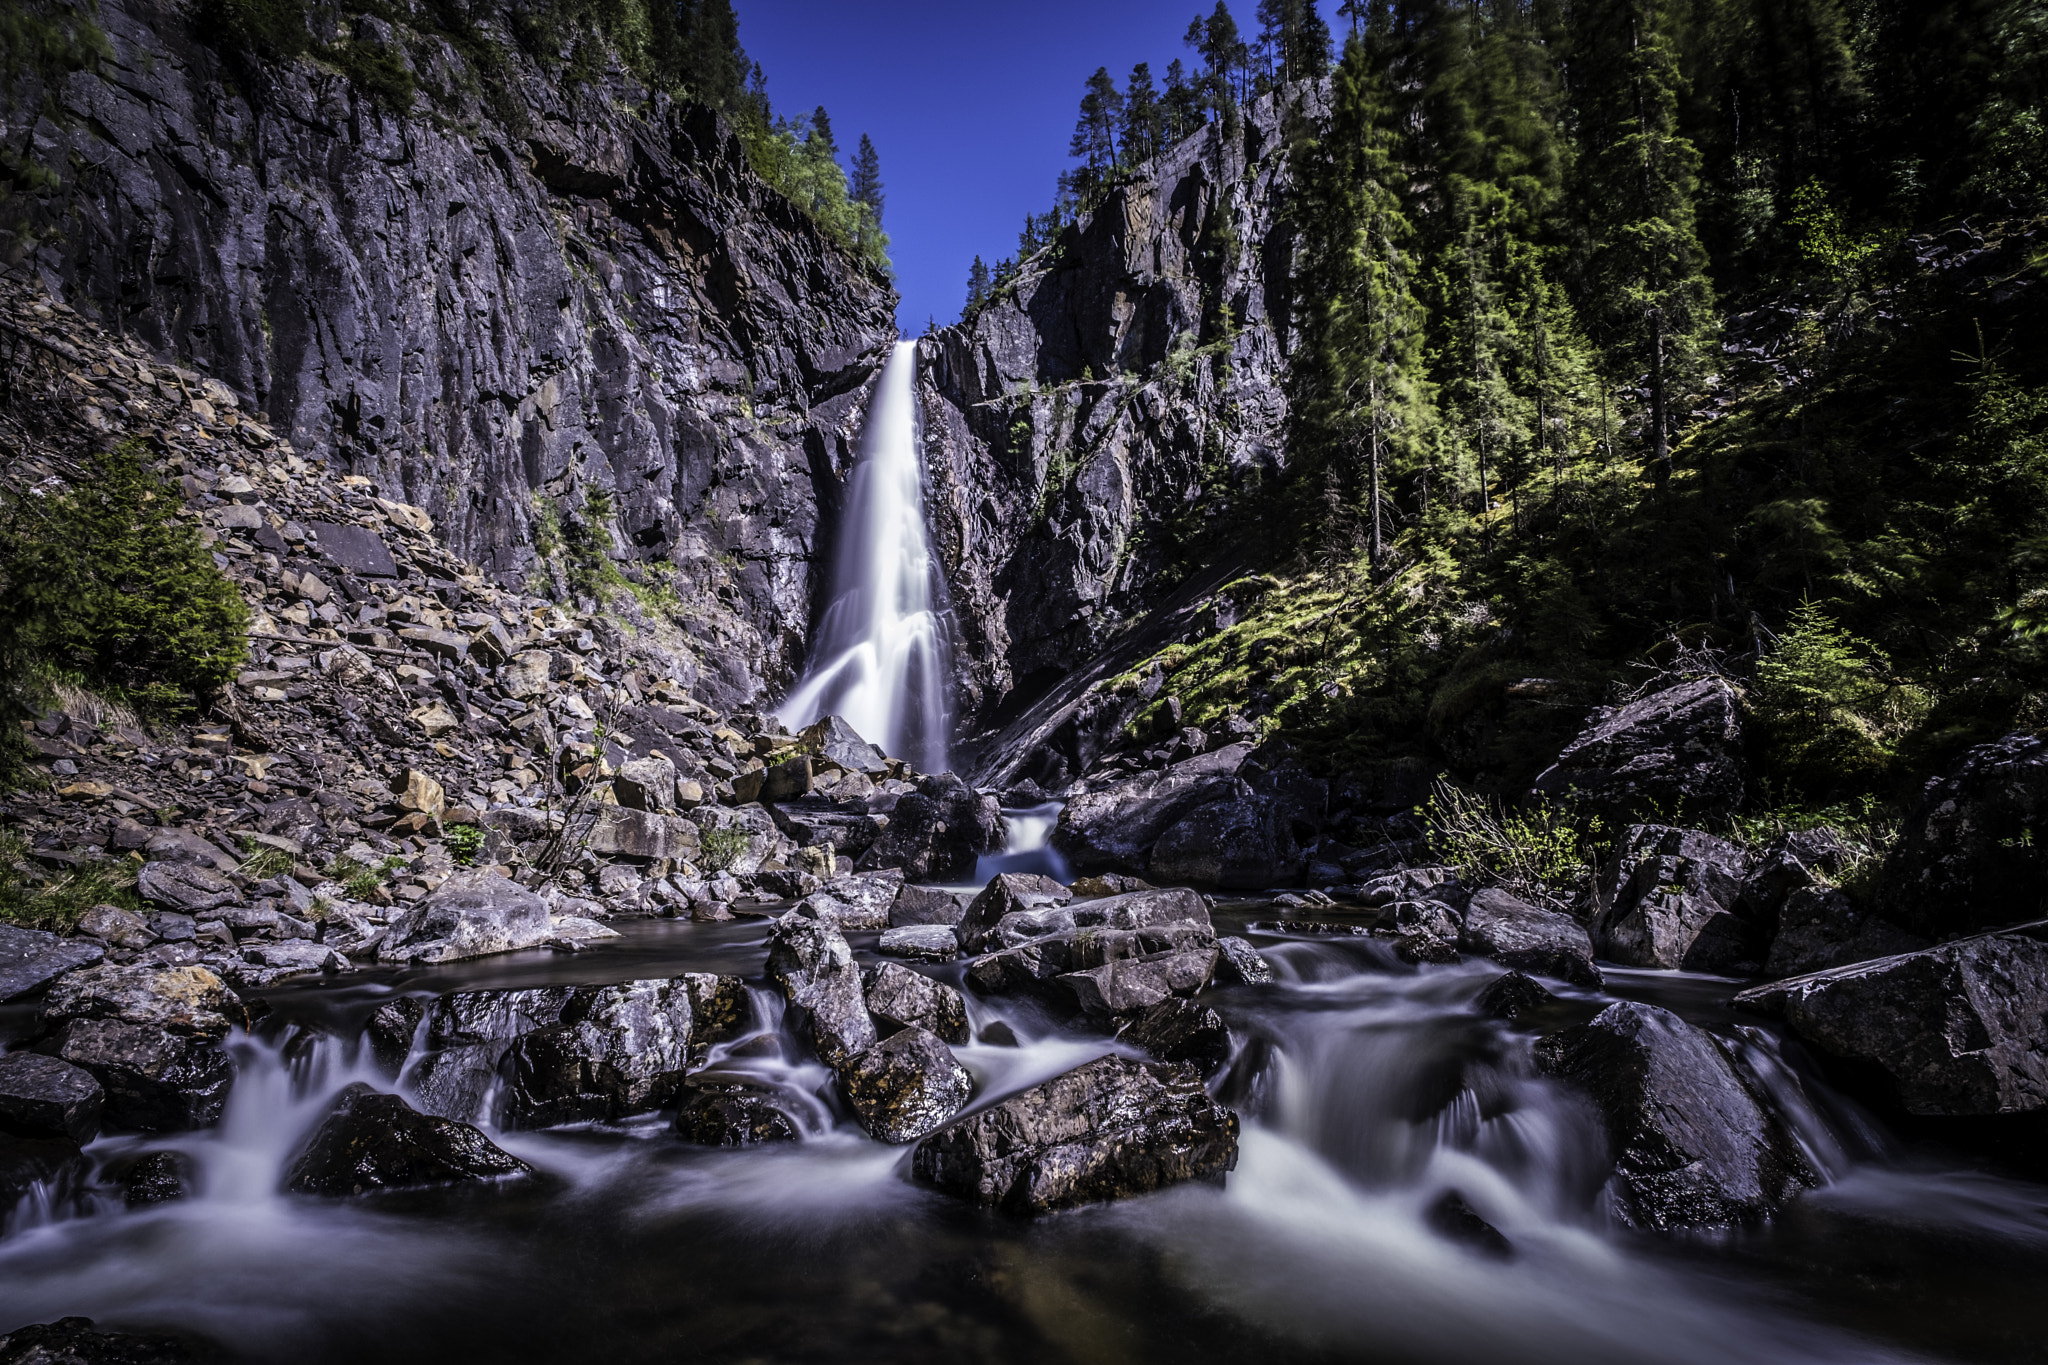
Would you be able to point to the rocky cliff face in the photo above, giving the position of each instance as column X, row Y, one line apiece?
column 492, row 308
column 1108, row 411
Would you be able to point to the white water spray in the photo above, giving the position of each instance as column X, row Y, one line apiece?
column 880, row 657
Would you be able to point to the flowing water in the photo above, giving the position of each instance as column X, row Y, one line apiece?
column 880, row 656
column 1369, row 1090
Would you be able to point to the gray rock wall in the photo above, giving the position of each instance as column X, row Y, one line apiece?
column 476, row 316
column 1084, row 428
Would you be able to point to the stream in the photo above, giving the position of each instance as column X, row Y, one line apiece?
column 1368, row 1088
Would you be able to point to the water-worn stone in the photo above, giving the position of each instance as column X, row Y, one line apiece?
column 857, row 903
column 47, row 1097
column 1240, row 963
column 1511, row 996
column 1670, row 898
column 1007, row 893
column 731, row 1114
column 1961, row 1029
column 372, row 1141
column 1517, row 934
column 190, row 888
column 899, row 998
column 1130, row 985
column 1695, row 1144
column 31, row 959
column 920, row 943
column 151, row 1036
column 833, row 738
column 472, row 914
column 1677, row 752
column 923, row 905
column 1427, row 931
column 937, row 832
column 1820, row 927
column 617, row 1050
column 158, row 1178
column 1974, row 852
column 77, row 1341
column 810, row 961
column 1105, row 1130
column 1178, row 1030
column 905, row 1086
column 1114, row 829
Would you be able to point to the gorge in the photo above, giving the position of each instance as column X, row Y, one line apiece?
column 576, row 796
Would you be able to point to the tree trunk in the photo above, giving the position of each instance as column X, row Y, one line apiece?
column 1660, row 438
column 1373, row 396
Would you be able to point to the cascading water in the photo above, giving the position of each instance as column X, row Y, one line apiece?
column 880, row 658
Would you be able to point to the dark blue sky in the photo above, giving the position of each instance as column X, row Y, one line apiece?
column 970, row 105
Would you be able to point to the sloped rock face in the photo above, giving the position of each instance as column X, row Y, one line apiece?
column 473, row 313
column 1675, row 753
column 1079, row 424
column 1959, row 1030
column 1694, row 1144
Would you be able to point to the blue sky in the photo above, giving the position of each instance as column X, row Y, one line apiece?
column 970, row 106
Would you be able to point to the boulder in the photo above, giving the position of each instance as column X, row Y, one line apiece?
column 1517, row 934
column 357, row 549
column 1677, row 752
column 1961, row 1029
column 372, row 1141
column 1791, row 862
column 646, row 784
column 1820, row 927
column 158, row 1178
column 1511, row 996
column 1007, row 893
column 1105, row 1130
column 618, row 1050
column 1427, row 931
column 833, row 738
column 1177, row 1030
column 184, row 846
column 1974, row 852
column 916, row 905
column 920, row 943
column 31, row 959
column 1131, row 985
column 45, row 1097
column 905, row 1086
column 1695, row 1144
column 189, row 888
column 860, row 902
column 1243, row 842
column 1454, row 1219
column 810, row 961
column 151, row 1036
column 937, row 832
column 789, row 780
column 1670, row 898
column 899, row 998
column 1107, row 957
column 1240, row 963
column 111, row 924
column 472, row 914
column 1114, row 829
column 645, row 836
column 731, row 1114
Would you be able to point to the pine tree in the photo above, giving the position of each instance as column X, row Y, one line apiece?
column 1181, row 105
column 1646, row 274
column 821, row 144
column 977, row 288
column 1225, row 58
column 716, row 66
column 1293, row 40
column 867, row 178
column 1095, row 131
column 1361, row 403
column 1144, row 117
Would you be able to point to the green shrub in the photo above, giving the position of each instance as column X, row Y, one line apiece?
column 36, row 902
column 105, row 584
column 1543, row 855
column 464, row 842
column 721, row 848
column 1830, row 716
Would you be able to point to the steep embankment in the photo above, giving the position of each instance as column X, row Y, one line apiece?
column 530, row 301
column 1089, row 429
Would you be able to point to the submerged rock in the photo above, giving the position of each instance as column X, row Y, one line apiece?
column 1452, row 1218
column 1695, row 1145
column 1105, row 1130
column 373, row 1141
column 1517, row 934
column 905, row 1086
column 731, row 1114
column 1961, row 1029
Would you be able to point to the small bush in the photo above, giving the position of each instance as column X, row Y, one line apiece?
column 265, row 862
column 56, row 903
column 361, row 879
column 1544, row 855
column 463, row 842
column 721, row 848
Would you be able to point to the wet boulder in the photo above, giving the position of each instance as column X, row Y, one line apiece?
column 857, row 903
column 1007, row 893
column 1127, row 986
column 1695, row 1144
column 45, row 1097
column 1109, row 1129
column 920, row 943
column 1240, row 963
column 1427, row 931
column 31, row 959
column 158, row 1178
column 1528, row 938
column 1961, row 1029
column 1820, row 927
column 1178, row 1030
column 810, row 961
column 899, row 998
column 152, row 1037
column 1244, row 841
column 731, row 1114
column 937, row 832
column 1511, row 996
column 925, row 905
column 472, row 914
column 1670, row 899
column 1974, row 853
column 1114, row 829
column 905, row 1086
column 1677, row 751
column 372, row 1141
column 618, row 1050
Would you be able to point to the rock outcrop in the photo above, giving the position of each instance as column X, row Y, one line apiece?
column 152, row 1037
column 1675, row 753
column 1671, row 899
column 1974, row 853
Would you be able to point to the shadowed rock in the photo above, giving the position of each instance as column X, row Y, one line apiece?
column 1177, row 1030
column 372, row 1141
column 1516, row 934
column 1676, row 751
column 905, row 1086
column 46, row 1097
column 899, row 998
column 731, row 1114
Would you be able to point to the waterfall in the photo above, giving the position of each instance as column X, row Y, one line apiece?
column 880, row 658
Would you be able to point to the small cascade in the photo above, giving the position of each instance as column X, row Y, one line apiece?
column 1029, row 847
column 880, row 659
